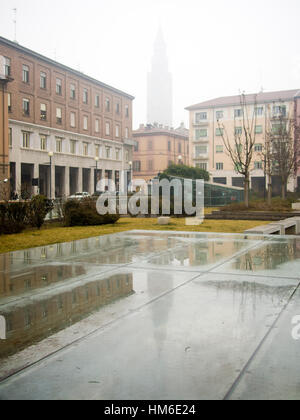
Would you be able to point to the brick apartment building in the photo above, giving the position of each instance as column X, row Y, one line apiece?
column 157, row 147
column 66, row 130
column 207, row 150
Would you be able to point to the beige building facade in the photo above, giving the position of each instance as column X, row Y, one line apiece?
column 209, row 119
column 156, row 147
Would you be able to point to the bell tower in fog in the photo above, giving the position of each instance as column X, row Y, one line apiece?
column 160, row 89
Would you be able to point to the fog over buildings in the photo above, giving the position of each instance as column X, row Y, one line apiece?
column 214, row 48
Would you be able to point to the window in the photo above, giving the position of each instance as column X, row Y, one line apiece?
column 118, row 154
column 107, row 105
column 85, row 122
column 58, row 86
column 58, row 145
column 126, row 133
column 279, row 111
column 258, row 147
column 126, row 111
column 25, row 74
column 43, row 80
column 169, row 146
column 202, row 165
column 58, row 115
column 150, row 145
column 127, row 156
column 258, row 129
column 219, row 166
column 117, row 108
column 7, row 66
column 73, row 147
column 239, row 148
column 200, row 133
column 136, row 146
column 136, row 166
column 278, row 129
column 10, row 140
column 26, row 140
column 258, row 165
column 85, row 149
column 26, row 108
column 107, row 129
column 200, row 116
column 237, row 167
column 43, row 142
column 97, row 101
column 179, row 147
column 238, row 131
column 43, row 112
column 97, row 150
column 108, row 152
column 219, row 115
column 9, row 102
column 150, row 165
column 200, row 150
column 219, row 149
column 219, row 131
column 259, row 111
column 85, row 96
column 72, row 119
column 238, row 113
column 117, row 131
column 72, row 91
column 97, row 126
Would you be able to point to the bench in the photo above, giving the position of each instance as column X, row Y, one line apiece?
column 265, row 230
column 277, row 228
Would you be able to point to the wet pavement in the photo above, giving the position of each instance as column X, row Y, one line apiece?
column 152, row 315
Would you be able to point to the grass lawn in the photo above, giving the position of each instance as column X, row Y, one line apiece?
column 51, row 234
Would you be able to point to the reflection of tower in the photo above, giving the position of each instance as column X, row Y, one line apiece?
column 160, row 96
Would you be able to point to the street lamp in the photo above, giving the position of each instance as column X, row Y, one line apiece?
column 130, row 168
column 50, row 154
column 96, row 178
column 180, row 159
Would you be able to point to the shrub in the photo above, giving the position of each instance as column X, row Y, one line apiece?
column 38, row 208
column 13, row 217
column 84, row 213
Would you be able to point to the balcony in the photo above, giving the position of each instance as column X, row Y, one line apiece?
column 201, row 123
column 201, row 140
column 201, row 157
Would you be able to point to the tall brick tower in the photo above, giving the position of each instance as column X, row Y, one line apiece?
column 160, row 89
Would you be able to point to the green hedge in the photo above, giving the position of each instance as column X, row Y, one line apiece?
column 84, row 213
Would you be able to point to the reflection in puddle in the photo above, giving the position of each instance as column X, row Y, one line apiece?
column 31, row 319
column 268, row 257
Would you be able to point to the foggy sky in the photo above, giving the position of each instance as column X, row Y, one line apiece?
column 215, row 47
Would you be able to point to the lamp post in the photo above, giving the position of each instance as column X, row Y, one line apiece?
column 130, row 171
column 50, row 154
column 180, row 160
column 96, row 178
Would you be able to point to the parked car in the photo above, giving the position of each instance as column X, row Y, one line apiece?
column 79, row 196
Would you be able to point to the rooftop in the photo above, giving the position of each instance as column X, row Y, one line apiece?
column 38, row 56
column 261, row 97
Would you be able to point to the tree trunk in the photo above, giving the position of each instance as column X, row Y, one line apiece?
column 246, row 192
column 269, row 194
column 283, row 190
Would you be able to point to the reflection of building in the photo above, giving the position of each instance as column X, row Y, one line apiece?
column 57, row 110
column 157, row 147
column 207, row 149
column 4, row 160
column 31, row 319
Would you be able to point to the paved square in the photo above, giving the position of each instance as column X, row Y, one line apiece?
column 152, row 315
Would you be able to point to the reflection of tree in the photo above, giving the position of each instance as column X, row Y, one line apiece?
column 269, row 257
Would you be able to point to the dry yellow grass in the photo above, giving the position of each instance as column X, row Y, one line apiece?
column 53, row 234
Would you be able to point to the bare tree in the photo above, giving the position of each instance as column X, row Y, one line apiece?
column 240, row 144
column 281, row 151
